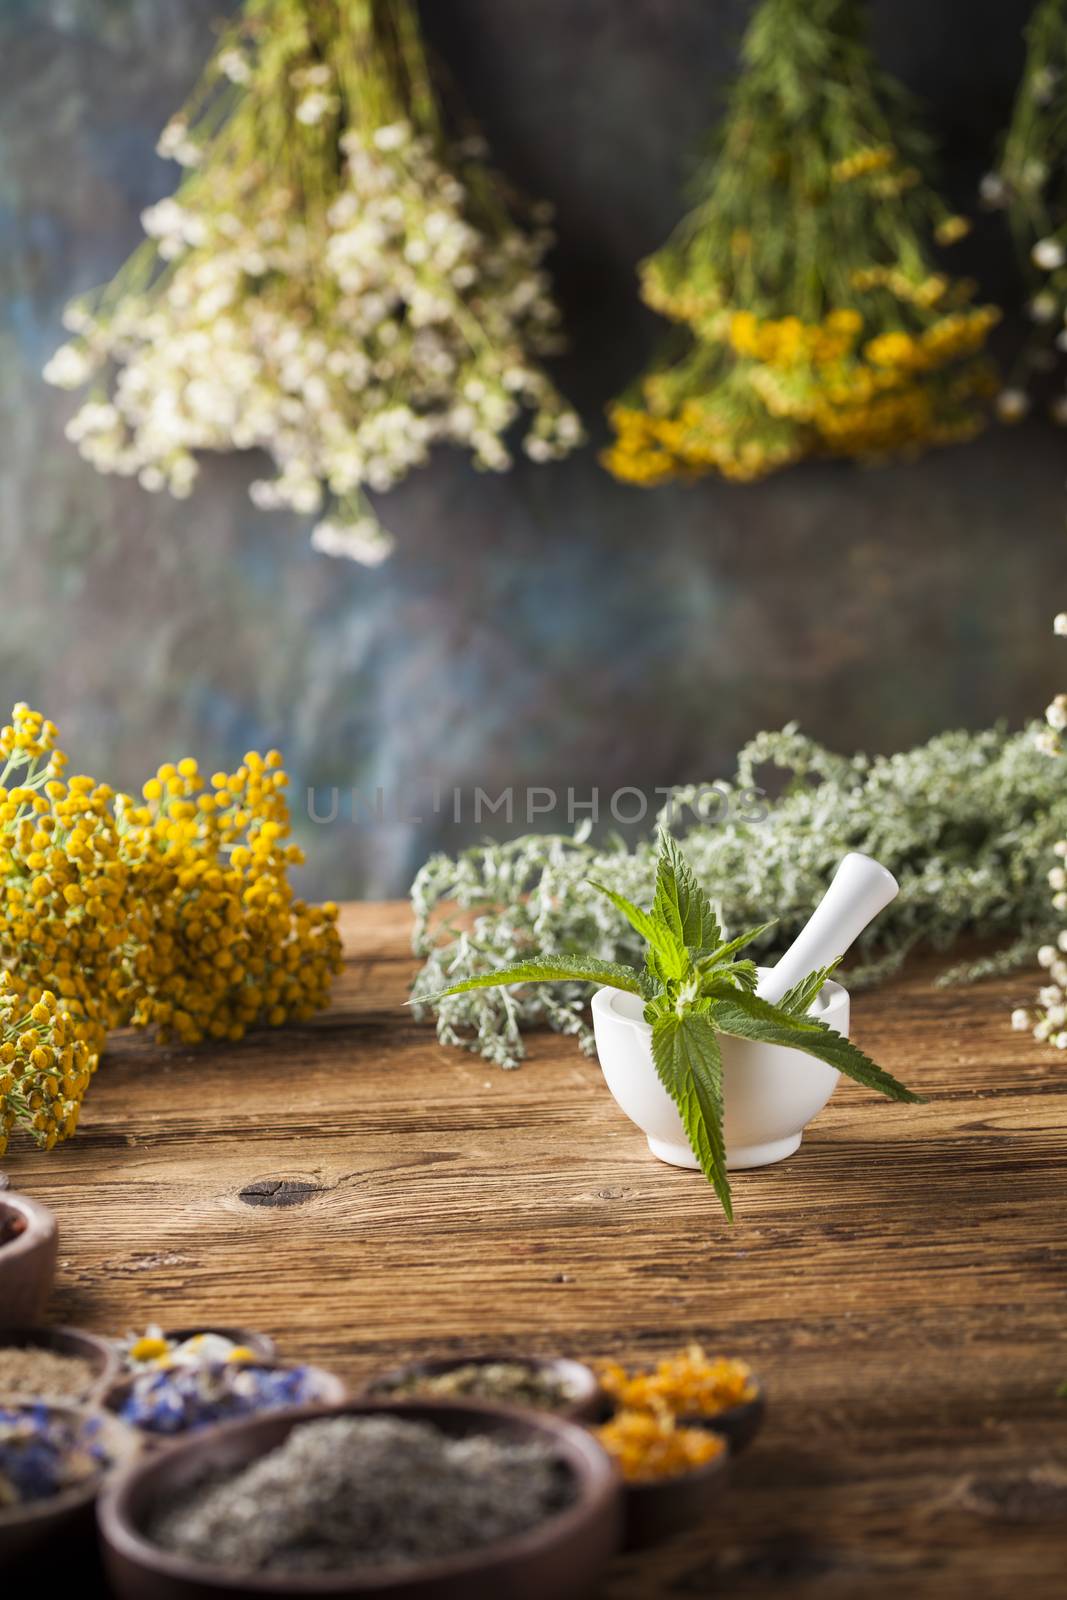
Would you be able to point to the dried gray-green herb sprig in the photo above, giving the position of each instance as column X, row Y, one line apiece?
column 966, row 823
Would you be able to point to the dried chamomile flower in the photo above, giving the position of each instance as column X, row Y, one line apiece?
column 339, row 285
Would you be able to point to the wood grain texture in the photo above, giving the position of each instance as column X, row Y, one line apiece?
column 899, row 1283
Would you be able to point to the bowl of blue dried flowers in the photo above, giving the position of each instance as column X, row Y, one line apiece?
column 164, row 1402
column 54, row 1457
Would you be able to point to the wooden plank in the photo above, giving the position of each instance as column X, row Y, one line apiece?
column 899, row 1283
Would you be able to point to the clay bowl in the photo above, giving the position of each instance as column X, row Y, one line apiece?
column 670, row 1506
column 332, row 1393
column 98, row 1354
column 563, row 1557
column 27, row 1530
column 585, row 1406
column 260, row 1344
column 27, row 1261
column 739, row 1425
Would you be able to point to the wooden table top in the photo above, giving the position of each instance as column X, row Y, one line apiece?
column 898, row 1283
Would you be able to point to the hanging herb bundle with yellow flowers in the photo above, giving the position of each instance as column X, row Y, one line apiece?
column 812, row 317
column 1031, row 185
column 170, row 911
column 336, row 281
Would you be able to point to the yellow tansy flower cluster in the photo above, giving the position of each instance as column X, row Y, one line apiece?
column 816, row 322
column 45, row 1065
column 170, row 910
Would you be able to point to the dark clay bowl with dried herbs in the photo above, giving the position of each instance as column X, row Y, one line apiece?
column 542, row 1383
column 29, row 1242
column 738, row 1424
column 395, row 1500
column 54, row 1457
column 55, row 1363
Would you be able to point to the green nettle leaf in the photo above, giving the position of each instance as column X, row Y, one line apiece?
column 680, row 901
column 725, row 952
column 816, row 1039
column 803, row 995
column 673, row 959
column 688, row 1061
column 552, row 969
column 758, row 1011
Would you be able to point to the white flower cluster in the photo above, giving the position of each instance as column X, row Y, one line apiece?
column 1048, row 1021
column 344, row 342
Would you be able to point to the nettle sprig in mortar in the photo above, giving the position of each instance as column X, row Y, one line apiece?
column 697, row 985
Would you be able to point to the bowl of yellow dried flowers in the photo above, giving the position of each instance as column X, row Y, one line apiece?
column 673, row 1473
column 717, row 1392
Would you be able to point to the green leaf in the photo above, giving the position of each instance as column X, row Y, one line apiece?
column 689, row 1065
column 673, row 959
column 816, row 1039
column 726, row 952
column 802, row 995
column 680, row 901
column 760, row 1011
column 550, row 969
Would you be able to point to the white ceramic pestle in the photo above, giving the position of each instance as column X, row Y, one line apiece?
column 861, row 887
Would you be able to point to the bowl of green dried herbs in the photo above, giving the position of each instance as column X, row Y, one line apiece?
column 400, row 1500
column 541, row 1383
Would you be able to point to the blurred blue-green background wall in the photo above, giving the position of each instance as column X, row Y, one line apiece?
column 549, row 627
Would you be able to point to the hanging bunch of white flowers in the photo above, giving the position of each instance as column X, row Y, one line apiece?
column 335, row 282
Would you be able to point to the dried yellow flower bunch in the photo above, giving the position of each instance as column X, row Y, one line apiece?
column 817, row 321
column 172, row 910
column 337, row 281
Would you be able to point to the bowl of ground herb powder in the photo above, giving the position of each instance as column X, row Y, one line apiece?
column 400, row 1500
column 542, row 1383
column 55, row 1363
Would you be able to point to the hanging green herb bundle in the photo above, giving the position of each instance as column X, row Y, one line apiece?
column 335, row 282
column 815, row 319
column 1031, row 185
